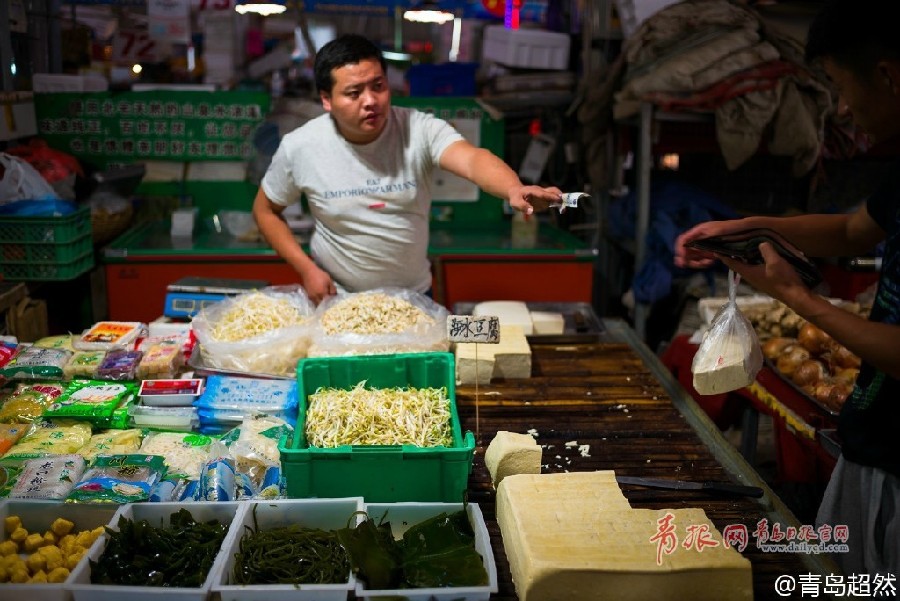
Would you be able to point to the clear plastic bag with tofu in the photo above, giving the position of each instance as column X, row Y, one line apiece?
column 729, row 356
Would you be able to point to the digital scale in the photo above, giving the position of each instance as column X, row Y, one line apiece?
column 185, row 297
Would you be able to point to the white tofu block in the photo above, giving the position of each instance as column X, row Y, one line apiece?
column 512, row 355
column 511, row 313
column 557, row 550
column 508, row 359
column 546, row 322
column 511, row 453
column 473, row 366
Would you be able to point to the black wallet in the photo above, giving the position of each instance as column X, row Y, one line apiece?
column 744, row 246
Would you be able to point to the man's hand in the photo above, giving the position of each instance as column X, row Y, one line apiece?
column 775, row 277
column 317, row 283
column 699, row 259
column 528, row 199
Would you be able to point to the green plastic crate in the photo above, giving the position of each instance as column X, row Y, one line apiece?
column 46, row 229
column 44, row 252
column 47, row 271
column 380, row 474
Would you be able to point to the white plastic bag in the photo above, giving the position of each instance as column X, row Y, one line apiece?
column 378, row 322
column 275, row 338
column 21, row 181
column 730, row 355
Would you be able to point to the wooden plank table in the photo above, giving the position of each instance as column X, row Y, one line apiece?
column 613, row 394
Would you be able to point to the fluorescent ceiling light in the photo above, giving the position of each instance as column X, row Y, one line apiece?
column 260, row 7
column 427, row 11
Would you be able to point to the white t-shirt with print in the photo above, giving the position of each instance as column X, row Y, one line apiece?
column 371, row 202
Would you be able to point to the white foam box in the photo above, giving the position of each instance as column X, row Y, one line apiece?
column 528, row 48
column 327, row 514
column 37, row 516
column 157, row 514
column 402, row 516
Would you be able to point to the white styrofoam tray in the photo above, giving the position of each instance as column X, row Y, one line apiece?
column 327, row 514
column 37, row 515
column 80, row 584
column 404, row 515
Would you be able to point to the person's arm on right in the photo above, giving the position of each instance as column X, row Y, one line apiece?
column 317, row 282
column 838, row 235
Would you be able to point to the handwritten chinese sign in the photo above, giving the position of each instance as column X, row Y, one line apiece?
column 468, row 328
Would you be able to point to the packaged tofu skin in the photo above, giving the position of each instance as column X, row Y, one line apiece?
column 730, row 355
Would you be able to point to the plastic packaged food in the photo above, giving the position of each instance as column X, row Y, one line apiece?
column 265, row 331
column 248, row 396
column 48, row 477
column 9, row 474
column 119, row 365
column 34, row 362
column 184, row 454
column 108, row 335
column 57, row 342
column 217, row 480
column 112, row 442
column 119, row 479
column 24, row 406
column 160, row 361
column 10, row 435
column 91, row 400
column 169, row 393
column 51, row 437
column 164, row 418
column 83, row 364
column 7, row 352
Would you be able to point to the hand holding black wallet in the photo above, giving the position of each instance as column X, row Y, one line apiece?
column 744, row 246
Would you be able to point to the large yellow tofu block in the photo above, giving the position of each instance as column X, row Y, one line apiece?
column 574, row 536
column 508, row 359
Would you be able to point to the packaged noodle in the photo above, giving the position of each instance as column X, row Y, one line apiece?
column 57, row 342
column 50, row 437
column 160, row 361
column 126, row 478
column 254, row 447
column 91, row 400
column 83, row 364
column 10, row 435
column 184, row 453
column 112, row 442
column 34, row 362
column 48, row 477
column 119, row 365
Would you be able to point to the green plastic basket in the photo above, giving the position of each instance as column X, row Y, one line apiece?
column 35, row 252
column 47, row 271
column 46, row 229
column 382, row 474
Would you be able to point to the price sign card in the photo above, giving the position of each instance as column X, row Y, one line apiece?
column 470, row 328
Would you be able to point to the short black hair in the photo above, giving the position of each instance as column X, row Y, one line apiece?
column 855, row 33
column 344, row 50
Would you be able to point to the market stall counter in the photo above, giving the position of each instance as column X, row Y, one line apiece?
column 608, row 403
column 477, row 262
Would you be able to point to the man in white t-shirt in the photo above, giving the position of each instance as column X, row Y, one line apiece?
column 365, row 168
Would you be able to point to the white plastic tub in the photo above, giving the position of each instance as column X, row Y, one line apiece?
column 327, row 514
column 404, row 515
column 529, row 48
column 37, row 516
column 157, row 514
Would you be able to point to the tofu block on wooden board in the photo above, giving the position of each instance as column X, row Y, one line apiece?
column 508, row 359
column 473, row 366
column 557, row 550
column 512, row 355
column 512, row 453
column 547, row 322
column 510, row 313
